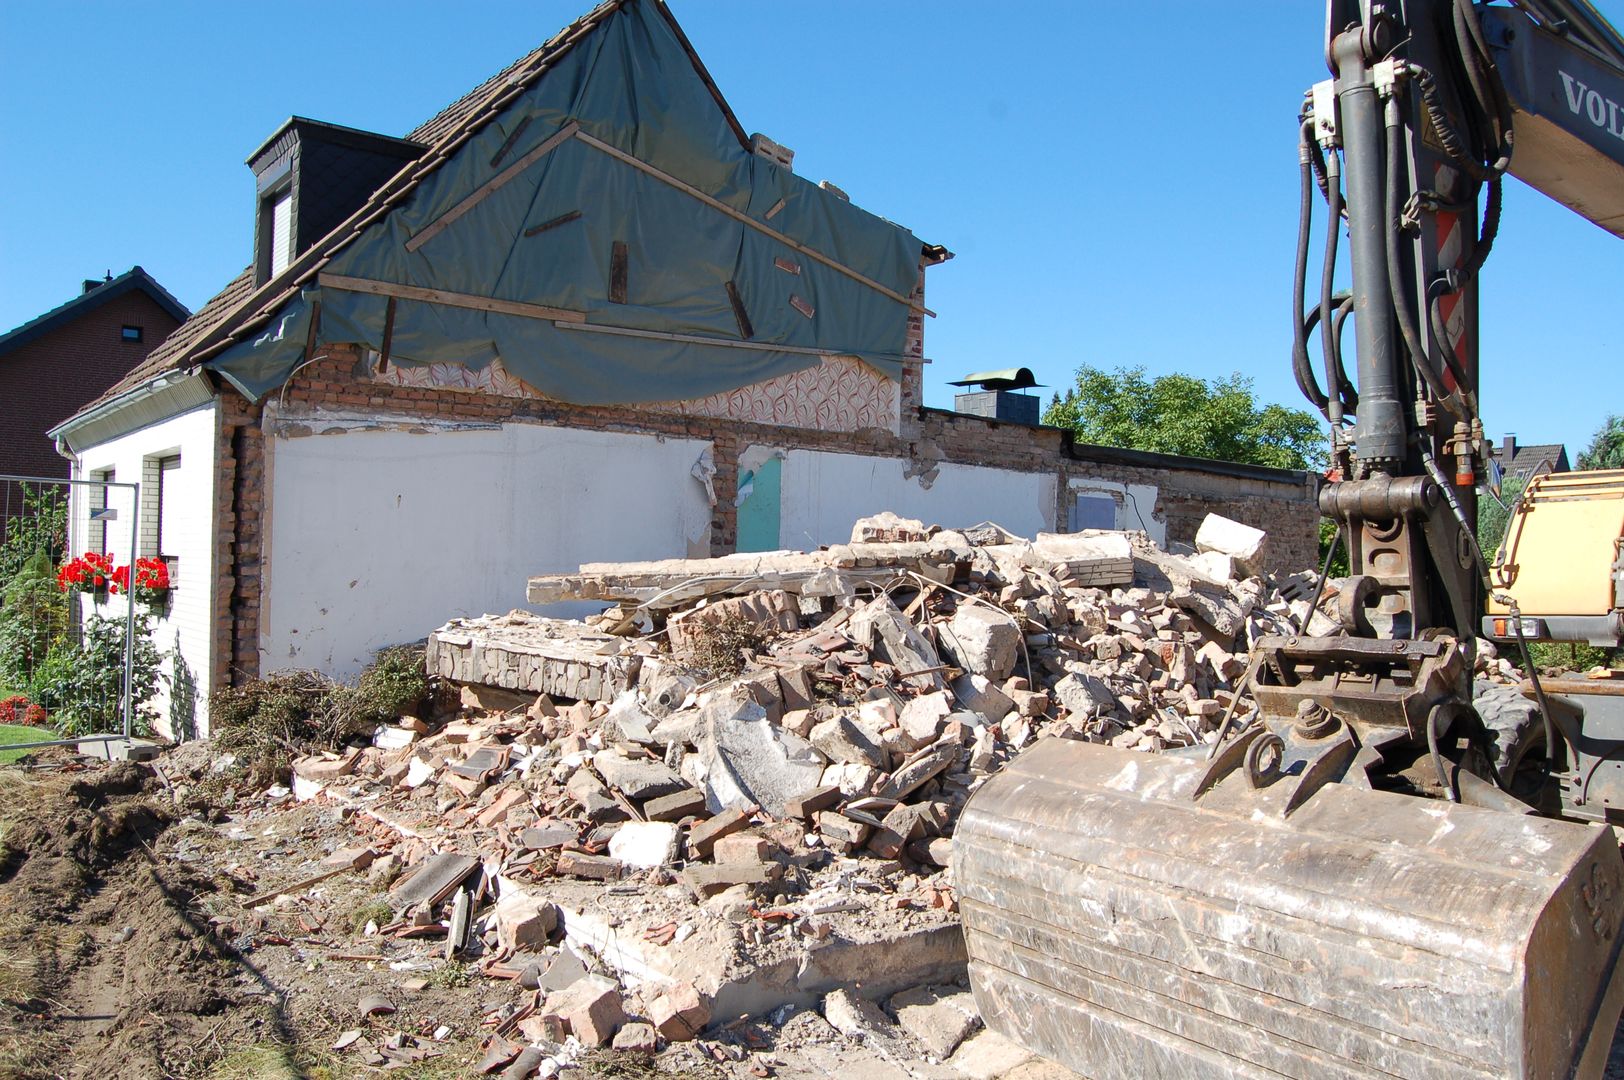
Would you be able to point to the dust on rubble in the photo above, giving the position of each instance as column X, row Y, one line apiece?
column 706, row 833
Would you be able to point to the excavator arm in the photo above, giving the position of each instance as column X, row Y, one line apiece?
column 1345, row 884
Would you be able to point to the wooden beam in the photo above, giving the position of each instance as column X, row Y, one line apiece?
column 545, row 226
column 740, row 315
column 388, row 335
column 562, row 316
column 617, row 272
column 743, row 218
column 507, row 143
column 700, row 339
column 439, row 224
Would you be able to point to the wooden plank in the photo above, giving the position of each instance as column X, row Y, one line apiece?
column 561, row 219
column 740, row 315
column 507, row 143
column 699, row 339
column 450, row 299
column 315, row 328
column 617, row 272
column 388, row 335
column 297, row 886
column 743, row 218
column 439, row 224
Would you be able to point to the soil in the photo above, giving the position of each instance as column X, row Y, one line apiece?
column 126, row 949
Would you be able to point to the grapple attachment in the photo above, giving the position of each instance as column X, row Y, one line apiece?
column 1129, row 920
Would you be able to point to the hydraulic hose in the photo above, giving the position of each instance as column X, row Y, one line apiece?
column 1345, row 387
column 1300, row 363
column 1396, row 286
column 1448, row 137
column 1333, row 233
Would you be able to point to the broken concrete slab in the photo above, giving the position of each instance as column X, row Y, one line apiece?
column 749, row 762
column 839, row 739
column 637, row 778
column 981, row 695
column 880, row 627
column 1225, row 536
column 938, row 1017
column 982, row 640
column 524, row 652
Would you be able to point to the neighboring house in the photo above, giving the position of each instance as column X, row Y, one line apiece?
column 579, row 315
column 1526, row 462
column 53, row 366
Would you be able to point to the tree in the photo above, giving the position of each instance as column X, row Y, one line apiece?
column 1492, row 518
column 1181, row 414
column 1606, row 450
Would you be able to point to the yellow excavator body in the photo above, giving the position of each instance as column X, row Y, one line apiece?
column 1562, row 559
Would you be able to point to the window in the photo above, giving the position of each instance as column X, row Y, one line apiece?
column 130, row 333
column 281, row 230
column 1092, row 510
column 96, row 534
column 169, row 514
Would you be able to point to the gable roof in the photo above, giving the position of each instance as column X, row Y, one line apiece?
column 129, row 281
column 1528, row 459
column 239, row 308
column 240, row 312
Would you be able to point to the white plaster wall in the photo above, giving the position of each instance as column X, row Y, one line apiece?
column 824, row 493
column 1136, row 505
column 189, row 620
column 379, row 535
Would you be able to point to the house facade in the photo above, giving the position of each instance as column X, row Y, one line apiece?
column 579, row 315
column 54, row 365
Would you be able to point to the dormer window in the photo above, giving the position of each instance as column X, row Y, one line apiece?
column 281, row 241
column 309, row 177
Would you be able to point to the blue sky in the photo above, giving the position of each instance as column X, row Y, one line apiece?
column 1118, row 191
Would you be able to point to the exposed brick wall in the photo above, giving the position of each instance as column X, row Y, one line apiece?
column 340, row 383
column 913, row 367
column 238, row 531
column 47, row 380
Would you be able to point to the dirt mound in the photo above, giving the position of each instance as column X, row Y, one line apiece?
column 109, row 969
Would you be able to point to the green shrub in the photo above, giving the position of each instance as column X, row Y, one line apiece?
column 82, row 682
column 41, row 529
column 34, row 616
column 267, row 722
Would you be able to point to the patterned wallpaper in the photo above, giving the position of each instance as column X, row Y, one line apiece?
column 841, row 394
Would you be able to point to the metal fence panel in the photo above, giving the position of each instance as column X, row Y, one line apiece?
column 37, row 514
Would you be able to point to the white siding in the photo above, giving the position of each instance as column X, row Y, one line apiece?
column 377, row 537
column 188, row 498
column 823, row 493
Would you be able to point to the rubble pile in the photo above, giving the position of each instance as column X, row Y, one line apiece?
column 653, row 848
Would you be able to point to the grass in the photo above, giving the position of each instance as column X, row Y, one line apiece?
column 20, row 733
column 378, row 911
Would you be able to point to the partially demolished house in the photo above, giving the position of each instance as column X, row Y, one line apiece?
column 579, row 315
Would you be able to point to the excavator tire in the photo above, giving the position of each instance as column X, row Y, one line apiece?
column 1519, row 739
column 1130, row 918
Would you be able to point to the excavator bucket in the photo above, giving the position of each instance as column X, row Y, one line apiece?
column 1129, row 920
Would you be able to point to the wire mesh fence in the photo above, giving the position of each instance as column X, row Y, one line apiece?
column 72, row 663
